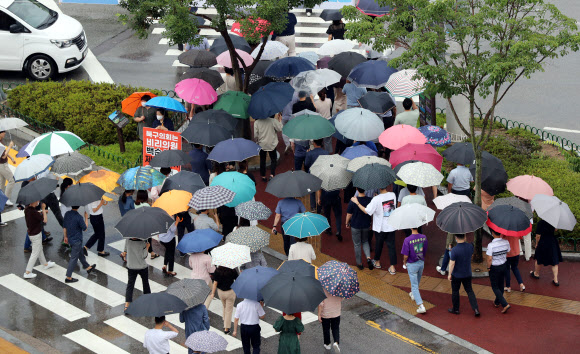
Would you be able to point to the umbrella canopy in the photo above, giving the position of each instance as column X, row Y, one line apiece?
column 32, row 167
column 306, row 224
column 554, row 211
column 509, row 221
column 198, row 57
column 230, row 255
column 373, row 176
column 106, row 180
column 130, row 104
column 461, row 218
column 196, row 91
column 238, row 183
column 173, row 202
column 22, row 152
column 311, row 56
column 420, row 174
column 270, row 99
column 199, row 241
column 167, row 103
column 335, row 47
column 377, row 102
column 185, row 181
column 72, row 164
column 143, row 223
column 339, row 279
column 211, row 198
column 224, row 59
column 322, row 63
column 372, row 8
column 298, row 266
column 359, row 124
column 216, row 116
column 331, row 14
column 54, row 144
column 516, row 202
column 436, row 136
column 234, row 149
column 527, row 186
column 219, row 45
column 11, row 123
column 354, row 152
column 141, row 178
column 419, row 152
column 206, row 342
column 36, row 190
column 235, row 103
column 272, row 50
column 206, row 134
column 404, row 84
column 461, row 153
column 291, row 293
column 191, row 291
column 362, row 161
column 343, row 63
column 251, row 236
column 410, row 216
column 293, row 184
column 169, row 158
column 314, row 80
column 446, row 200
column 156, row 305
column 81, row 194
column 250, row 281
column 493, row 174
column 253, row 210
column 289, row 67
column 260, row 68
column 332, row 170
column 371, row 74
column 308, row 127
column 212, row 77
column 400, row 135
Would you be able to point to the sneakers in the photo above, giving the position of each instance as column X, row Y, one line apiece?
column 336, row 348
column 71, row 280
column 360, row 266
column 49, row 265
column 9, row 203
column 46, row 240
column 29, row 275
column 3, row 224
column 339, row 236
column 421, row 309
column 505, row 309
column 412, row 297
column 370, row 263
column 327, row 347
column 440, row 271
column 375, row 264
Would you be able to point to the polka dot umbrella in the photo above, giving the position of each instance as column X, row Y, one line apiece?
column 339, row 279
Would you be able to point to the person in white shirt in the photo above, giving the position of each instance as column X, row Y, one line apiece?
column 497, row 251
column 95, row 212
column 323, row 107
column 157, row 340
column 301, row 250
column 248, row 315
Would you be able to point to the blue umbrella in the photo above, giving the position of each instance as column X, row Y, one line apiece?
column 141, row 178
column 372, row 8
column 311, row 56
column 167, row 103
column 371, row 74
column 237, row 149
column 436, row 136
column 22, row 152
column 238, row 183
column 199, row 241
column 270, row 99
column 305, row 225
column 358, row 151
column 289, row 67
column 250, row 281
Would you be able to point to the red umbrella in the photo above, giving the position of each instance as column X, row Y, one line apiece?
column 261, row 26
column 401, row 134
column 131, row 103
column 418, row 152
column 527, row 186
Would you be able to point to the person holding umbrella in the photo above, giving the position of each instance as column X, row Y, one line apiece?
column 167, row 240
column 34, row 222
column 336, row 30
column 5, row 173
column 359, row 223
column 196, row 319
column 547, row 251
column 353, row 94
column 285, row 210
column 199, row 162
column 74, row 225
column 95, row 212
column 126, row 201
column 459, row 180
column 266, row 135
column 287, row 36
column 329, row 312
column 144, row 115
column 156, row 339
column 201, row 268
column 136, row 254
column 162, row 123
column 411, row 114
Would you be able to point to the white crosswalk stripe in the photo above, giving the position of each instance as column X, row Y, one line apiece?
column 93, row 342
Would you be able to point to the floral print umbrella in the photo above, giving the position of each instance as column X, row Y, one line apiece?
column 206, row 342
column 251, row 236
column 253, row 210
column 230, row 255
column 141, row 178
column 436, row 136
column 339, row 279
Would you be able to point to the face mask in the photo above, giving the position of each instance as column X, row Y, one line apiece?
column 143, row 104
column 159, row 117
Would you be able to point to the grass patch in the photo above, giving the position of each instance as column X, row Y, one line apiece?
column 108, row 154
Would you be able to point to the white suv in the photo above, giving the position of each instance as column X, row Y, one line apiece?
column 39, row 40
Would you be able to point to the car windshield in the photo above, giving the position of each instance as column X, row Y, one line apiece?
column 33, row 13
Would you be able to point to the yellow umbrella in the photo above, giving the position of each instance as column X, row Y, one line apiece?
column 174, row 201
column 106, row 180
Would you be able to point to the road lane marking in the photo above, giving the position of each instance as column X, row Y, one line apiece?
column 400, row 337
column 563, row 130
column 93, row 342
column 267, row 329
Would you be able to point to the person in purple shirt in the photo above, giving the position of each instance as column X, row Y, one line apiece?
column 414, row 251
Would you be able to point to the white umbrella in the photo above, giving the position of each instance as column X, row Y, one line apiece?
column 362, row 161
column 32, row 167
column 315, row 80
column 272, row 50
column 359, row 124
column 420, row 174
column 11, row 123
column 336, row 46
column 410, row 216
column 554, row 211
column 230, row 255
column 446, row 200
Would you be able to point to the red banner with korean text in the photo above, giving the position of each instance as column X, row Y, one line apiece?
column 155, row 141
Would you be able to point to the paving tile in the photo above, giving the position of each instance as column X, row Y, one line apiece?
column 429, row 283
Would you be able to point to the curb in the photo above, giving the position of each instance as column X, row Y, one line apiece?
column 404, row 315
column 17, row 342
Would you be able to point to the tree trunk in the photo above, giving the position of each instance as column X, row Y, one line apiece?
column 121, row 140
column 477, row 239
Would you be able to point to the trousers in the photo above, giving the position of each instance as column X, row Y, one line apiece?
column 76, row 254
column 512, row 263
column 251, row 338
column 227, row 298
column 389, row 238
column 186, row 224
column 37, row 252
column 496, row 277
column 144, row 274
column 169, row 258
column 361, row 237
column 445, row 262
column 273, row 162
column 466, row 192
column 415, row 271
column 527, row 246
column 456, row 285
column 335, row 207
column 98, row 224
column 290, row 42
column 288, row 241
column 51, row 201
column 27, row 242
column 329, row 324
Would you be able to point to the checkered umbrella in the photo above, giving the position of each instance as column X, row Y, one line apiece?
column 338, row 279
column 251, row 236
column 362, row 161
column 206, row 342
column 253, row 210
column 331, row 169
column 211, row 197
column 420, row 174
column 191, row 291
column 230, row 255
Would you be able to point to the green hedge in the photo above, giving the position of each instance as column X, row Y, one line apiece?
column 81, row 107
column 133, row 152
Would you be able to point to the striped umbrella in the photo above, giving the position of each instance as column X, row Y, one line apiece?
column 251, row 236
column 230, row 255
column 72, row 164
column 54, row 144
column 253, row 210
column 191, row 291
column 331, row 169
column 405, row 84
column 211, row 197
column 206, row 342
column 338, row 279
column 306, row 224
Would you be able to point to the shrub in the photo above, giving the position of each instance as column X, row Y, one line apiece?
column 133, row 152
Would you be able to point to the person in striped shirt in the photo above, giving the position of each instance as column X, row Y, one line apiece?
column 497, row 251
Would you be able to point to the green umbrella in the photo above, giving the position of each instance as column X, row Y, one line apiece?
column 235, row 103
column 308, row 127
column 54, row 144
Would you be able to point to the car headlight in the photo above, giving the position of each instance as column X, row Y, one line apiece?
column 62, row 43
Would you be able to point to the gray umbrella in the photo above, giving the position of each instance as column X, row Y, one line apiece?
column 198, row 57
column 377, row 102
column 191, row 291
column 213, row 77
column 293, row 184
column 291, row 293
column 554, row 211
column 72, row 164
column 207, row 134
column 217, row 116
column 169, row 158
column 362, row 161
column 11, row 123
column 515, row 202
column 81, row 194
column 359, row 124
column 36, row 190
column 374, row 176
column 461, row 218
column 219, row 45
column 206, row 342
column 332, row 170
column 144, row 223
column 253, row 210
column 184, row 181
column 155, row 305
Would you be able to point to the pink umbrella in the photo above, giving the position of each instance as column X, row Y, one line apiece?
column 419, row 152
column 196, row 91
column 527, row 187
column 401, row 134
column 225, row 60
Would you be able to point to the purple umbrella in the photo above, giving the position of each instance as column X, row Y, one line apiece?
column 22, row 152
column 358, row 151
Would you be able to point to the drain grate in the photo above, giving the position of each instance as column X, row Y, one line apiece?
column 372, row 315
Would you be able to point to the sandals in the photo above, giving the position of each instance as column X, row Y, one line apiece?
column 533, row 275
column 123, row 258
column 154, row 255
column 170, row 274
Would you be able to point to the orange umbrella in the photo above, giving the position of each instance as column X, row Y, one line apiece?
column 106, row 180
column 174, row 201
column 131, row 103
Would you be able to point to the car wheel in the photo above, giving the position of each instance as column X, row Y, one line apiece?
column 41, row 68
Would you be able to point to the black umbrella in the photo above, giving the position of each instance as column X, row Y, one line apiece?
column 219, row 45
column 373, row 176
column 516, row 202
column 217, row 116
column 255, row 86
column 156, row 305
column 461, row 153
column 169, row 158
column 377, row 102
column 509, row 221
column 293, row 184
column 493, row 174
column 212, row 77
column 36, row 190
column 299, row 266
column 330, row 15
column 143, row 223
column 198, row 57
column 81, row 194
column 184, row 181
column 291, row 293
column 461, row 218
column 260, row 68
column 207, row 134
column 344, row 62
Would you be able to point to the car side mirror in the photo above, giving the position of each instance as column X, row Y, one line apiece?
column 17, row 28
